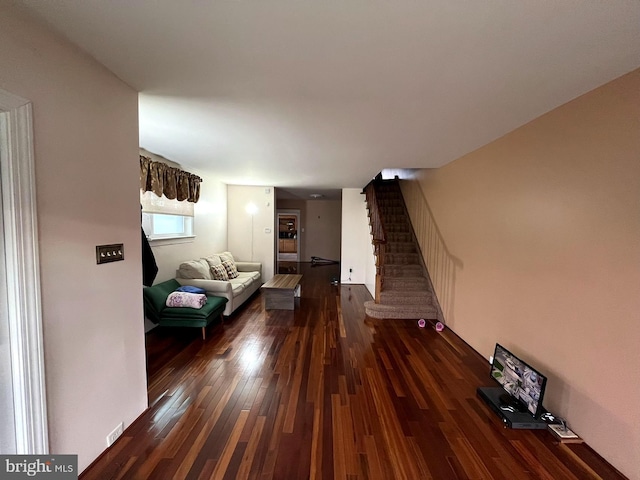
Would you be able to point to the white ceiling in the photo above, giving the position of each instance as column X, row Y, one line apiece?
column 324, row 94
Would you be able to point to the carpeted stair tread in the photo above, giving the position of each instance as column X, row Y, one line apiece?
column 391, row 219
column 405, row 283
column 389, row 205
column 409, row 286
column 393, row 210
column 398, row 228
column 378, row 310
column 401, row 247
column 382, row 307
column 406, row 297
column 399, row 237
column 402, row 270
column 401, row 258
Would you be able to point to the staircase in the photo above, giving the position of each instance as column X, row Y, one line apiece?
column 403, row 287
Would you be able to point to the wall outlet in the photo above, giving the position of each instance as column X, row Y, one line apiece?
column 113, row 436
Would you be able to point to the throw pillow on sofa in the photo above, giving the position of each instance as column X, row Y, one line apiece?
column 213, row 260
column 231, row 268
column 226, row 257
column 219, row 272
column 196, row 269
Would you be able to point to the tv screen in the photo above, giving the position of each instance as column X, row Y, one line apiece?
column 524, row 385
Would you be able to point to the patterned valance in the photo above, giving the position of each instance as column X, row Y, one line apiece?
column 160, row 178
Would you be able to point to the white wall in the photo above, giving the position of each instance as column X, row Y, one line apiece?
column 87, row 170
column 357, row 251
column 209, row 226
column 247, row 245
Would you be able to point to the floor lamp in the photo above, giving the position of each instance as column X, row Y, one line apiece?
column 251, row 210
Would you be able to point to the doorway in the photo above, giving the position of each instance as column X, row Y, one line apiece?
column 7, row 413
column 289, row 236
column 23, row 403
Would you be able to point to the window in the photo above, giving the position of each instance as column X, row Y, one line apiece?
column 165, row 219
column 158, row 225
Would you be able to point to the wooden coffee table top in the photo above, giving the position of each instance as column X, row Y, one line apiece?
column 283, row 282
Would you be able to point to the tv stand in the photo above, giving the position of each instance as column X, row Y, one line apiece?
column 507, row 400
column 516, row 420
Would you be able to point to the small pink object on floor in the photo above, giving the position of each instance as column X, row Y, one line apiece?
column 439, row 326
column 421, row 323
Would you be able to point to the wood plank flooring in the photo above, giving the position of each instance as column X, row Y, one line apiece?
column 324, row 392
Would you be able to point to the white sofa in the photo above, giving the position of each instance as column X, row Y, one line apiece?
column 204, row 271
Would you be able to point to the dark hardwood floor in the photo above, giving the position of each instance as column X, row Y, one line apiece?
column 323, row 392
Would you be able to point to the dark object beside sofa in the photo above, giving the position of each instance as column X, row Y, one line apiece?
column 155, row 308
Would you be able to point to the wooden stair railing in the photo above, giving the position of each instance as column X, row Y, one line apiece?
column 378, row 233
column 440, row 263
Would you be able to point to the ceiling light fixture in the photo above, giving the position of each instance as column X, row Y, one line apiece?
column 316, row 195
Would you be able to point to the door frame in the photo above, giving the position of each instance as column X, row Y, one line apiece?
column 289, row 212
column 22, row 267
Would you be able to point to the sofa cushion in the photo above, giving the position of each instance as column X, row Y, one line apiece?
column 230, row 266
column 247, row 278
column 226, row 256
column 219, row 272
column 213, row 260
column 198, row 269
column 254, row 276
column 237, row 285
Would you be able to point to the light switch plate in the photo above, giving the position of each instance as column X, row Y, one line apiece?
column 109, row 253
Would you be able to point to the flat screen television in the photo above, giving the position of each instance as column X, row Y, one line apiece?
column 523, row 385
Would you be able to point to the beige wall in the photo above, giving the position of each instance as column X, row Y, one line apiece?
column 323, row 226
column 87, row 169
column 245, row 244
column 546, row 225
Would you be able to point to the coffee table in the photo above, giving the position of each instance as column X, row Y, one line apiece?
column 280, row 292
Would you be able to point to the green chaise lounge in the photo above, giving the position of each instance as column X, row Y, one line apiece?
column 155, row 298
